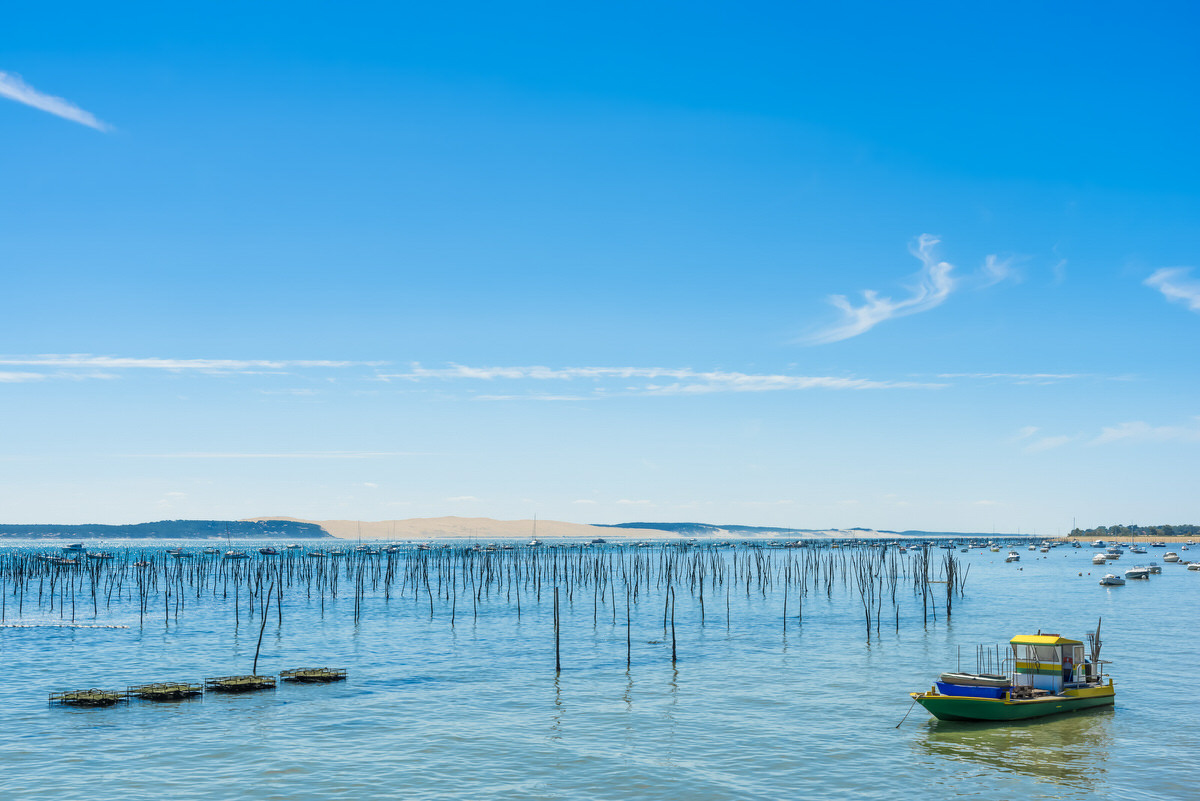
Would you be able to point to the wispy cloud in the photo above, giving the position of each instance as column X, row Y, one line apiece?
column 9, row 377
column 996, row 269
column 463, row 499
column 1047, row 443
column 296, row 455
column 12, row 87
column 88, row 361
column 933, row 285
column 1140, row 431
column 1017, row 378
column 647, row 380
column 1175, row 285
column 1036, row 444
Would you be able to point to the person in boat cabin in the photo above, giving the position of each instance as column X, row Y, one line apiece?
column 1068, row 667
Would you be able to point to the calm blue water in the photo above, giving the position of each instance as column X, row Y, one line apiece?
column 476, row 710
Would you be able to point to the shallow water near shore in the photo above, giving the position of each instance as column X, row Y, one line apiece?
column 476, row 710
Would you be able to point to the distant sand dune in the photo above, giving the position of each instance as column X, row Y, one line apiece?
column 428, row 528
column 485, row 528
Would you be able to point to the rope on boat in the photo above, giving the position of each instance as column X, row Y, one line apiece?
column 910, row 709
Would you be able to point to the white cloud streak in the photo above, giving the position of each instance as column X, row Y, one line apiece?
column 300, row 455
column 12, row 87
column 1017, row 378
column 1174, row 284
column 9, row 377
column 996, row 269
column 934, row 284
column 1047, row 443
column 649, row 380
column 88, row 361
column 1140, row 431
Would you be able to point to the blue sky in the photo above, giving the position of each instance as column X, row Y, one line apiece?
column 768, row 264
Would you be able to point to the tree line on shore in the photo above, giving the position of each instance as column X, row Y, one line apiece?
column 1165, row 531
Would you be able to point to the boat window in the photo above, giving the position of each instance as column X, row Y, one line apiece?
column 1046, row 653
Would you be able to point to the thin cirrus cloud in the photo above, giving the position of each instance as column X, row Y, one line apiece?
column 1141, row 431
column 72, row 364
column 934, row 285
column 645, row 380
column 294, row 455
column 1176, row 286
column 1032, row 443
column 12, row 87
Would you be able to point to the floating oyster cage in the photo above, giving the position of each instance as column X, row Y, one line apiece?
column 165, row 691
column 92, row 697
column 313, row 675
column 239, row 684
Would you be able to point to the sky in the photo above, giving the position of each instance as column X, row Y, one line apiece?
column 901, row 266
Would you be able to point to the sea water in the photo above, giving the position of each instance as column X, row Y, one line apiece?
column 476, row 710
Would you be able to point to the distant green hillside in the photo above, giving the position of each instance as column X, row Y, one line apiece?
column 169, row 530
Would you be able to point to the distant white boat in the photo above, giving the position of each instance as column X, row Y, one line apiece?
column 1099, row 559
column 1013, row 556
column 1170, row 556
column 73, row 548
column 1137, row 573
column 236, row 555
column 1112, row 581
column 1098, row 544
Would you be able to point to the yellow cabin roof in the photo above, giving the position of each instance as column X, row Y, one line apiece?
column 1042, row 639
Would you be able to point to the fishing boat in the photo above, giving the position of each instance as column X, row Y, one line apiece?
column 1112, row 580
column 1098, row 559
column 1137, row 572
column 1170, row 556
column 76, row 547
column 1013, row 556
column 268, row 551
column 1050, row 675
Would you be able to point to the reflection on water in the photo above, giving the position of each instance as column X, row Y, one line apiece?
column 1068, row 749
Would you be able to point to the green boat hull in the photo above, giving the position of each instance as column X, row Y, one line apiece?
column 953, row 707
